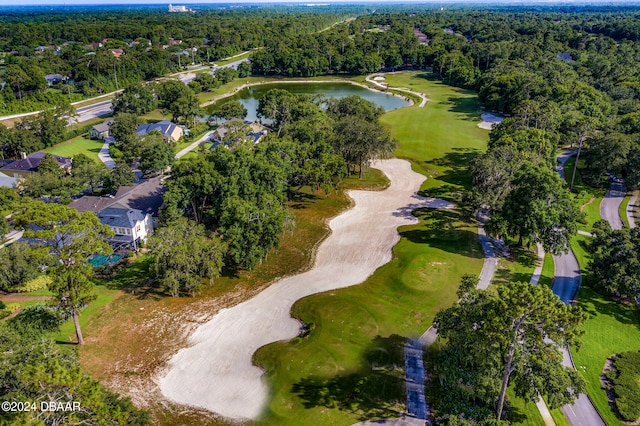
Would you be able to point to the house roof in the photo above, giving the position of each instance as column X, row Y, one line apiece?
column 146, row 197
column 103, row 127
column 54, row 77
column 8, row 181
column 32, row 161
column 121, row 217
column 165, row 127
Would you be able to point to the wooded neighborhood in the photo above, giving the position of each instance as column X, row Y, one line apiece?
column 320, row 214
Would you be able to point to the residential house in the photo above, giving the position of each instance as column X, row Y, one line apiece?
column 130, row 226
column 143, row 201
column 146, row 196
column 170, row 131
column 53, row 79
column 255, row 131
column 29, row 164
column 93, row 45
column 117, row 52
column 565, row 57
column 101, row 131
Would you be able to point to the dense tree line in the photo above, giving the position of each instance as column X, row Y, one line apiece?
column 154, row 44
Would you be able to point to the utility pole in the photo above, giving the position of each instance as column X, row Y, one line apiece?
column 575, row 166
column 115, row 74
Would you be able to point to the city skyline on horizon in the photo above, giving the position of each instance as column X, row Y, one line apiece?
column 4, row 3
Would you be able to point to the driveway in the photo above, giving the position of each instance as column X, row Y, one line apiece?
column 610, row 205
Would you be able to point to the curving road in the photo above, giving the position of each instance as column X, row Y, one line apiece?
column 610, row 205
column 565, row 285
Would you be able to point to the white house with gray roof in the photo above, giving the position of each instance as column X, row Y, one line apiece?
column 170, row 131
column 131, row 226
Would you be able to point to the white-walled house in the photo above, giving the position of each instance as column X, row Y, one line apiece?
column 131, row 226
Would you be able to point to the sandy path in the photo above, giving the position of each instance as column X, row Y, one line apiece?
column 216, row 373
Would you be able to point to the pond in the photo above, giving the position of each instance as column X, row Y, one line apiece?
column 251, row 96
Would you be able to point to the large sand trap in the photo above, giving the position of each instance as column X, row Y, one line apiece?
column 216, row 373
column 488, row 120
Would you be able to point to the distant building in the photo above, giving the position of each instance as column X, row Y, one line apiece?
column 101, row 131
column 422, row 37
column 53, row 79
column 117, row 52
column 255, row 131
column 29, row 164
column 170, row 131
column 93, row 45
column 565, row 57
column 179, row 9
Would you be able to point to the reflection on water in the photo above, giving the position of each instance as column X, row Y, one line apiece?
column 251, row 96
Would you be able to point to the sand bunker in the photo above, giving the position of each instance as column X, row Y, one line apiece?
column 216, row 373
column 488, row 120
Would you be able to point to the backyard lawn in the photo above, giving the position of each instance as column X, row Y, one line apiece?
column 76, row 146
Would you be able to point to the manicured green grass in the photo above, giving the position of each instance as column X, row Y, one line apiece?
column 548, row 271
column 623, row 210
column 612, row 328
column 401, row 298
column 67, row 332
column 519, row 268
column 153, row 116
column 558, row 417
column 441, row 138
column 76, row 146
column 523, row 413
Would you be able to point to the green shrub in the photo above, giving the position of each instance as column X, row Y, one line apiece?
column 39, row 283
column 115, row 153
column 8, row 309
column 626, row 385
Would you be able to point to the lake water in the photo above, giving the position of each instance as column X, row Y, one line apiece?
column 250, row 97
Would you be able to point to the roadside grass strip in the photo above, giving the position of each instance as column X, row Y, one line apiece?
column 612, row 327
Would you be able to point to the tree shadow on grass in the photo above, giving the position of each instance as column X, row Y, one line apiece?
column 466, row 106
column 455, row 179
column 442, row 229
column 375, row 390
column 594, row 303
column 301, row 200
